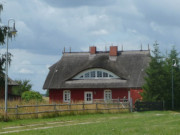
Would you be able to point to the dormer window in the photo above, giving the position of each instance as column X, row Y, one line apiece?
column 87, row 75
column 93, row 74
column 99, row 73
column 105, row 74
column 96, row 73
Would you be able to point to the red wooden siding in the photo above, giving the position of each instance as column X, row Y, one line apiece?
column 78, row 94
column 135, row 94
column 2, row 92
column 55, row 95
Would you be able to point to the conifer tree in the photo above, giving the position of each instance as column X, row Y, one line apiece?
column 170, row 61
column 155, row 76
column 158, row 82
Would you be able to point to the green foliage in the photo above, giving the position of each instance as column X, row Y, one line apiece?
column 2, row 61
column 47, row 93
column 158, row 86
column 31, row 95
column 2, row 29
column 3, row 34
column 155, row 76
column 23, row 85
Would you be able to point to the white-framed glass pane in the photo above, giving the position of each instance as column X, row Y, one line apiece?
column 107, row 95
column 66, row 96
column 88, row 97
column 87, row 75
column 93, row 74
column 99, row 73
column 105, row 74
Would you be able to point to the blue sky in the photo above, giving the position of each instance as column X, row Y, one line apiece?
column 45, row 27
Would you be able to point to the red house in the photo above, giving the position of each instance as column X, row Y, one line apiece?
column 11, row 84
column 87, row 76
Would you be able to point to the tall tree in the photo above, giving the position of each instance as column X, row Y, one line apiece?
column 23, row 85
column 174, row 71
column 158, row 86
column 2, row 29
column 3, row 35
column 2, row 58
column 155, row 76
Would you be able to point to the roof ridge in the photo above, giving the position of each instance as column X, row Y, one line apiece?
column 109, row 51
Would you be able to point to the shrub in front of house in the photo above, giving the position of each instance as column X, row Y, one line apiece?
column 31, row 95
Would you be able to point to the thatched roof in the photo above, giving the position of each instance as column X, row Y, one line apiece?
column 10, row 81
column 128, row 65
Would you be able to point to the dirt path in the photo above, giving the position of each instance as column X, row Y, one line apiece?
column 48, row 125
column 45, row 127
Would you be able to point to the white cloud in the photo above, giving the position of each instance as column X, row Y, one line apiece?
column 25, row 71
column 100, row 32
column 25, row 62
column 45, row 28
column 156, row 27
column 34, row 67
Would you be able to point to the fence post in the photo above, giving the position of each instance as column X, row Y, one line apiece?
column 163, row 105
column 69, row 106
column 55, row 107
column 130, row 105
column 96, row 106
column 83, row 106
column 119, row 106
column 17, row 116
column 36, row 110
column 108, row 107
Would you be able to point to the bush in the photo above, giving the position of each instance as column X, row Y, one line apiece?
column 31, row 95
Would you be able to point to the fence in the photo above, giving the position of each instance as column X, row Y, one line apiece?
column 111, row 100
column 149, row 106
column 20, row 110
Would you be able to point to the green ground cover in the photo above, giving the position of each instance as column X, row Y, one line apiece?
column 137, row 123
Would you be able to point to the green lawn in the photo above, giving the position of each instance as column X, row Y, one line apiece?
column 145, row 123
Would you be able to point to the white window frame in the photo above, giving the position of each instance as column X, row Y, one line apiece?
column 85, row 96
column 68, row 92
column 87, row 74
column 110, row 95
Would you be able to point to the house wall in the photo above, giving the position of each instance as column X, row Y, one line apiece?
column 55, row 95
column 2, row 92
column 78, row 94
column 135, row 94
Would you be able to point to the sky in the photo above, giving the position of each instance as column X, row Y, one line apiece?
column 45, row 27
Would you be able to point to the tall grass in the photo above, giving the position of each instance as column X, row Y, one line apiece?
column 68, row 109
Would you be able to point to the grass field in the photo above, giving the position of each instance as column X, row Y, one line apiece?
column 137, row 123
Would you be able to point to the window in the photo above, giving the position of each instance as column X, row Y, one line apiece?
column 87, row 75
column 88, row 97
column 96, row 73
column 105, row 74
column 66, row 96
column 99, row 73
column 93, row 74
column 107, row 95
